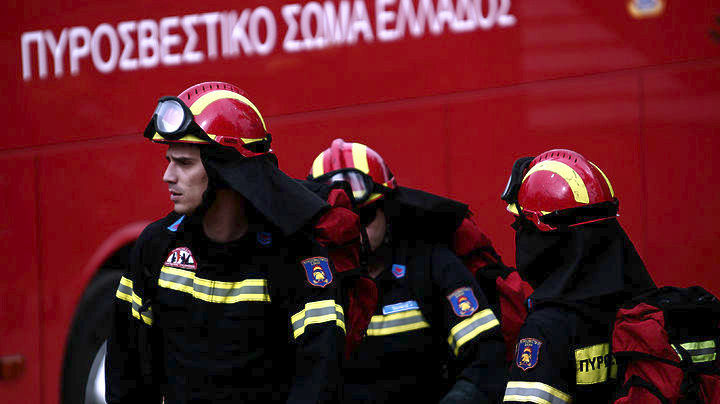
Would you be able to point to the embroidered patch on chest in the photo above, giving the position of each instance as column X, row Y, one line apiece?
column 182, row 258
column 398, row 270
column 317, row 271
column 264, row 238
column 463, row 301
column 400, row 307
column 527, row 353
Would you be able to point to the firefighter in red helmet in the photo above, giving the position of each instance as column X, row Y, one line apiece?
column 571, row 248
column 429, row 334
column 228, row 298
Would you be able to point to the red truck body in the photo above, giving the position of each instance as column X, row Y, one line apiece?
column 449, row 92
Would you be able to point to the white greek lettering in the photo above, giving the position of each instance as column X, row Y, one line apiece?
column 360, row 23
column 337, row 22
column 127, row 62
column 102, row 65
column 25, row 40
column 148, row 44
column 190, row 55
column 79, row 44
column 289, row 13
column 263, row 14
column 505, row 19
column 382, row 18
column 57, row 48
column 445, row 16
column 239, row 33
column 312, row 10
column 486, row 21
column 211, row 22
column 465, row 17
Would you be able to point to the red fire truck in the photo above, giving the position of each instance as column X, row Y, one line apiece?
column 450, row 92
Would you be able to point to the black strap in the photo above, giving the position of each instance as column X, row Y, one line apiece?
column 637, row 381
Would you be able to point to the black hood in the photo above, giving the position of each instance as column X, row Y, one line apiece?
column 591, row 264
column 281, row 200
column 419, row 214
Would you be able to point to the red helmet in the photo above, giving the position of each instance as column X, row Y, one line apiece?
column 211, row 112
column 360, row 166
column 560, row 188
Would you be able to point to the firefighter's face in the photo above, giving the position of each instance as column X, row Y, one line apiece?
column 376, row 230
column 185, row 176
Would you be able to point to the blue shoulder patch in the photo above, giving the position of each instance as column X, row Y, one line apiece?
column 463, row 301
column 527, row 353
column 398, row 270
column 317, row 271
column 264, row 238
column 173, row 227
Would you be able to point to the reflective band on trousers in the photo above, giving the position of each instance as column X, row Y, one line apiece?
column 248, row 290
column 535, row 392
column 315, row 313
column 468, row 329
column 125, row 292
column 700, row 351
column 396, row 323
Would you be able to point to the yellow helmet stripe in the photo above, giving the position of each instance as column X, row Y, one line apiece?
column 359, row 155
column 612, row 193
column 206, row 99
column 186, row 139
column 317, row 166
column 577, row 185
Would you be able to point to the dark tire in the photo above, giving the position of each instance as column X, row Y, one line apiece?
column 91, row 327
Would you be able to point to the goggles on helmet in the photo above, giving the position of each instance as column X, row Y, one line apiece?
column 362, row 185
column 172, row 120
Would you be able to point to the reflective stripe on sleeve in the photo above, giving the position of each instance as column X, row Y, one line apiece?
column 315, row 313
column 396, row 323
column 535, row 392
column 700, row 351
column 469, row 328
column 248, row 290
column 126, row 292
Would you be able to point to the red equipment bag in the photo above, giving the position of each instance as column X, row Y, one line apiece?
column 511, row 291
column 666, row 346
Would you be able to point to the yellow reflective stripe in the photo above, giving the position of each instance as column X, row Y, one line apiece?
column 594, row 364
column 699, row 351
column 612, row 192
column 228, row 292
column 396, row 323
column 535, row 392
column 316, row 313
column 317, row 166
column 577, row 185
column 134, row 300
column 483, row 320
column 208, row 98
column 372, row 197
column 359, row 155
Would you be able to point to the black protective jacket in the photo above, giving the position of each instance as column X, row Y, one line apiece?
column 432, row 326
column 581, row 276
column 255, row 320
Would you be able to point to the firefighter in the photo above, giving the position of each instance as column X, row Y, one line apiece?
column 429, row 334
column 228, row 298
column 572, row 250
